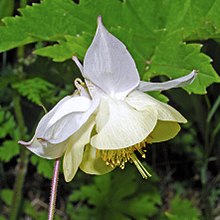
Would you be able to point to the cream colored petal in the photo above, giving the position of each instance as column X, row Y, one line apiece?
column 142, row 101
column 163, row 131
column 45, row 149
column 75, row 148
column 92, row 164
column 118, row 125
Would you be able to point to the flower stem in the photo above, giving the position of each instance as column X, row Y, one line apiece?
column 22, row 163
column 53, row 194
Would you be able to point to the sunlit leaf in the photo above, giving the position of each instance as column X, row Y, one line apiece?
column 153, row 31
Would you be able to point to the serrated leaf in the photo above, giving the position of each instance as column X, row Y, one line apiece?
column 8, row 150
column 175, row 61
column 154, row 32
column 65, row 49
column 33, row 89
column 44, row 167
column 7, row 123
column 118, row 193
column 182, row 209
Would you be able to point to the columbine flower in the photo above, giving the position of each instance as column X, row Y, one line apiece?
column 109, row 118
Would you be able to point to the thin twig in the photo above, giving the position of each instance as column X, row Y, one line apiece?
column 53, row 194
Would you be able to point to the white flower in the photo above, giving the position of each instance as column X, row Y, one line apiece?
column 109, row 117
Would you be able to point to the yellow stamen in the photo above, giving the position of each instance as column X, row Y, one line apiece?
column 145, row 174
column 120, row 157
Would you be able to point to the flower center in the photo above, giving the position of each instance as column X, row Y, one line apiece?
column 120, row 157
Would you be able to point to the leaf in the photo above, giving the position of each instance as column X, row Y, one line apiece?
column 7, row 124
column 182, row 209
column 6, row 196
column 118, row 193
column 66, row 49
column 44, row 167
column 33, row 89
column 154, row 32
column 8, row 150
column 6, row 8
column 175, row 61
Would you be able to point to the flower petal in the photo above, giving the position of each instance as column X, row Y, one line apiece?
column 163, row 131
column 118, row 125
column 142, row 101
column 179, row 82
column 67, row 120
column 109, row 65
column 75, row 148
column 92, row 164
column 45, row 149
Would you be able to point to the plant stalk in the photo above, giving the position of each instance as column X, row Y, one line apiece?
column 21, row 168
column 53, row 194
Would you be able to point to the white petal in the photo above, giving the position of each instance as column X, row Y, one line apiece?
column 47, row 117
column 142, row 101
column 118, row 125
column 109, row 65
column 43, row 124
column 75, row 104
column 74, row 153
column 163, row 131
column 68, row 123
column 45, row 149
column 179, row 82
column 92, row 164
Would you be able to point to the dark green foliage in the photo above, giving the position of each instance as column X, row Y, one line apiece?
column 115, row 196
column 165, row 39
column 182, row 209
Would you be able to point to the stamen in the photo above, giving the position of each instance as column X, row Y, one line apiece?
column 78, row 83
column 145, row 174
column 120, row 157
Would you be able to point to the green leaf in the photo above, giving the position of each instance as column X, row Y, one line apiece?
column 66, row 49
column 182, row 209
column 8, row 150
column 44, row 167
column 176, row 61
column 33, row 89
column 7, row 124
column 2, row 217
column 118, row 193
column 6, row 196
column 154, row 32
column 6, row 8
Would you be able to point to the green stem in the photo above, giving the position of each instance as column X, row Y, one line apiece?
column 205, row 184
column 21, row 168
column 22, row 163
column 20, row 50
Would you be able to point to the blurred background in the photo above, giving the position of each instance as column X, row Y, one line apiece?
column 186, row 180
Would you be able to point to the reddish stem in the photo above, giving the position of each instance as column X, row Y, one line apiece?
column 53, row 194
